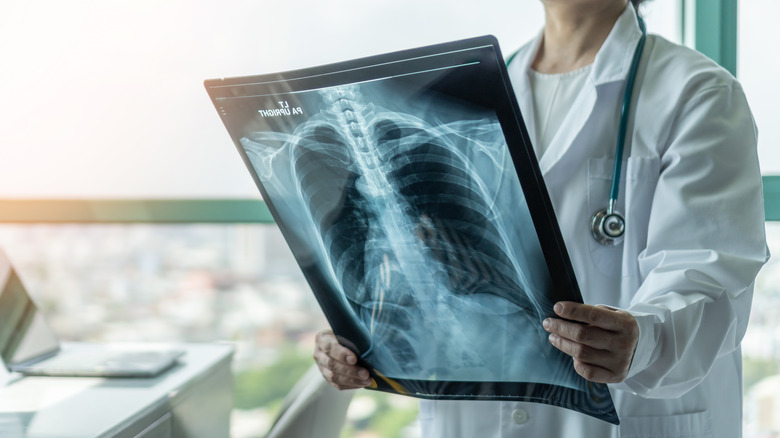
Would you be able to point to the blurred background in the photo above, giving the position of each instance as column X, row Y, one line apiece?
column 102, row 100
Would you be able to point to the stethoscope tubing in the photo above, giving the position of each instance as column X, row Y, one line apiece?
column 624, row 115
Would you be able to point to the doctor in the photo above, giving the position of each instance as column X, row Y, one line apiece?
column 669, row 304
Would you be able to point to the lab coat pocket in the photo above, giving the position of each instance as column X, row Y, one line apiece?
column 638, row 181
column 694, row 425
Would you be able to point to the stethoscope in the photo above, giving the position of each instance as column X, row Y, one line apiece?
column 608, row 225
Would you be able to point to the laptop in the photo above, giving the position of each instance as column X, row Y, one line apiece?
column 29, row 346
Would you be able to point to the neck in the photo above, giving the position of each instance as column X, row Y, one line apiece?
column 574, row 33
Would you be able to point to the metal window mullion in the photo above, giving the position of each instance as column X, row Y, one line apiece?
column 772, row 197
column 710, row 26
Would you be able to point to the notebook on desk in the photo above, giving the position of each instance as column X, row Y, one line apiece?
column 29, row 346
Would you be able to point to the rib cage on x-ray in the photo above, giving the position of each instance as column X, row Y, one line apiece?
column 407, row 189
column 408, row 227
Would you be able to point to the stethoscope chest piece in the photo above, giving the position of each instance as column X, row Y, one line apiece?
column 608, row 228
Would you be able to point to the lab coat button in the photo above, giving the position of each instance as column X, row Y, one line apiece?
column 520, row 416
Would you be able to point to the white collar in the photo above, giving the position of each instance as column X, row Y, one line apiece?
column 613, row 59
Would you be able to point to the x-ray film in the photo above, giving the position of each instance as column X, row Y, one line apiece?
column 410, row 195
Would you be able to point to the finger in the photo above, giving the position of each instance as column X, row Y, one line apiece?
column 599, row 316
column 583, row 352
column 617, row 363
column 339, row 368
column 595, row 373
column 588, row 363
column 341, row 375
column 337, row 363
column 584, row 334
column 326, row 341
column 343, row 382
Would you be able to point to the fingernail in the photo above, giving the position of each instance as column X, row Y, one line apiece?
column 558, row 308
column 363, row 375
column 546, row 323
column 351, row 360
column 553, row 338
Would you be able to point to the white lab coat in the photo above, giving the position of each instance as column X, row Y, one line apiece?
column 691, row 194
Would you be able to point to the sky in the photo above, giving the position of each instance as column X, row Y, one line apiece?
column 105, row 98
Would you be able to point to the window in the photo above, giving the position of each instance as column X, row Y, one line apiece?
column 107, row 102
column 178, row 283
column 112, row 92
column 758, row 74
column 761, row 345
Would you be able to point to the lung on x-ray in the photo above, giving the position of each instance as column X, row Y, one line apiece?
column 410, row 195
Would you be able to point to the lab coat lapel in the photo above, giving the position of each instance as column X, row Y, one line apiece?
column 611, row 65
column 573, row 124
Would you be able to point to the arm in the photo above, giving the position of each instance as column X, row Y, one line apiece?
column 705, row 245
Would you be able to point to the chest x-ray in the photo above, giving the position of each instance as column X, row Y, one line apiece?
column 411, row 198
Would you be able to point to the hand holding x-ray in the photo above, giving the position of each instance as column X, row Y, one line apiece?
column 601, row 342
column 338, row 364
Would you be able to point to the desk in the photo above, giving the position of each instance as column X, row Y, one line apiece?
column 191, row 400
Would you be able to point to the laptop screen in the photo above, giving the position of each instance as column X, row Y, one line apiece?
column 407, row 189
column 24, row 333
